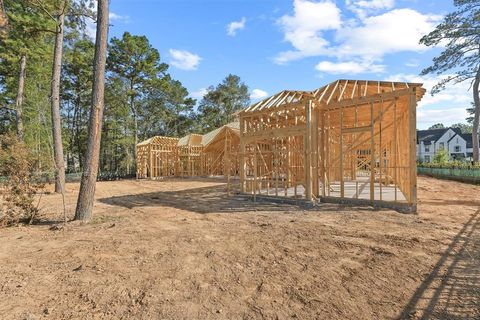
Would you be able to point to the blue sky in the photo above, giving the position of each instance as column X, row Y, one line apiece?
column 294, row 44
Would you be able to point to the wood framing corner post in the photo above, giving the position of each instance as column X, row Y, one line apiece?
column 150, row 161
column 412, row 114
column 242, row 156
column 308, row 152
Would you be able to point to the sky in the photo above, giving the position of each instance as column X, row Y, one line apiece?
column 275, row 45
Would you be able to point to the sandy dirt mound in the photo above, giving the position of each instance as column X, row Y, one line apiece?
column 182, row 249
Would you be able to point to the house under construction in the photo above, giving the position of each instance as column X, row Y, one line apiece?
column 212, row 154
column 351, row 141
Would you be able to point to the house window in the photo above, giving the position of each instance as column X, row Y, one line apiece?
column 442, row 145
column 427, row 158
column 457, row 148
column 427, row 148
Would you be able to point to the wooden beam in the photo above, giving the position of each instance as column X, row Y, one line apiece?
column 412, row 138
column 308, row 153
column 342, row 174
column 357, row 129
column 372, row 159
column 368, row 99
column 276, row 133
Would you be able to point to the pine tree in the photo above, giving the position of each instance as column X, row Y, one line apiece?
column 24, row 43
column 461, row 56
column 220, row 103
column 77, row 77
column 89, row 177
column 134, row 63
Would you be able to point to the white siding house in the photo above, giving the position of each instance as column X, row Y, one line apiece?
column 457, row 147
column 430, row 141
column 457, row 144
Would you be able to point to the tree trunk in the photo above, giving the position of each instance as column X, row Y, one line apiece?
column 19, row 98
column 135, row 125
column 89, row 176
column 476, row 118
column 3, row 20
column 55, row 104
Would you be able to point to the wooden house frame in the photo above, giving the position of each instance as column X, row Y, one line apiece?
column 351, row 141
column 220, row 154
column 157, row 157
column 189, row 150
column 212, row 154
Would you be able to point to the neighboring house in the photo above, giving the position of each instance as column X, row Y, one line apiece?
column 458, row 145
column 468, row 140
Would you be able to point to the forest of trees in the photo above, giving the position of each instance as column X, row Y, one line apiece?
column 141, row 98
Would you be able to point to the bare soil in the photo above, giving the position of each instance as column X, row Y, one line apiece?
column 183, row 249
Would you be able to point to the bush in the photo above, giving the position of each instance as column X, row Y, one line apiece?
column 441, row 157
column 451, row 165
column 19, row 183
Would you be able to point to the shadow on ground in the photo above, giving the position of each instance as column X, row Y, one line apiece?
column 208, row 200
column 440, row 202
column 452, row 289
column 200, row 200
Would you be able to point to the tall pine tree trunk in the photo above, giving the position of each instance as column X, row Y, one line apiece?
column 19, row 98
column 135, row 126
column 89, row 176
column 476, row 118
column 55, row 104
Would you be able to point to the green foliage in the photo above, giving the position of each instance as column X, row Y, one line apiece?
column 471, row 113
column 77, row 78
column 3, row 20
column 219, row 105
column 36, row 113
column 26, row 36
column 20, row 184
column 437, row 126
column 464, row 127
column 459, row 32
column 451, row 165
column 29, row 34
column 169, row 109
column 441, row 156
column 141, row 98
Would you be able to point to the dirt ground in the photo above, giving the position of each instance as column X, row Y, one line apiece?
column 182, row 249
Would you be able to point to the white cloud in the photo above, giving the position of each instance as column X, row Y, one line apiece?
column 412, row 63
column 91, row 28
column 116, row 17
column 257, row 94
column 199, row 93
column 359, row 44
column 91, row 25
column 458, row 94
column 385, row 34
column 428, row 117
column 304, row 28
column 234, row 26
column 373, row 4
column 364, row 7
column 448, row 107
column 184, row 60
column 350, row 67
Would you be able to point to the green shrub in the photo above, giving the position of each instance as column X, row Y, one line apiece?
column 441, row 157
column 451, row 165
